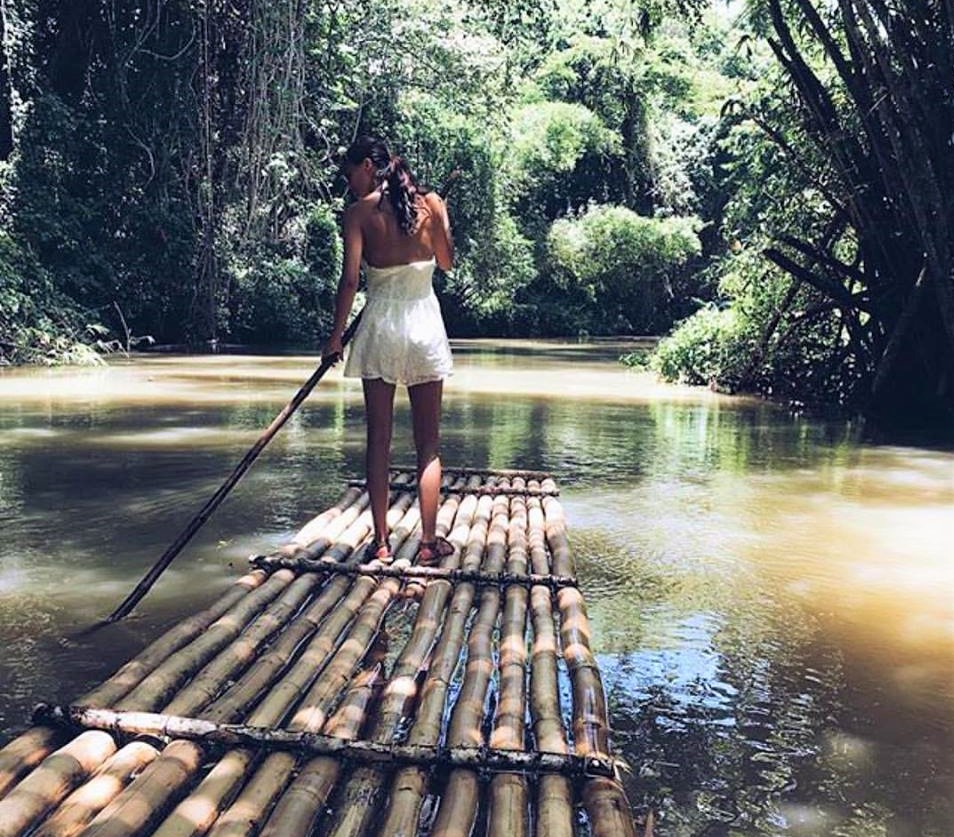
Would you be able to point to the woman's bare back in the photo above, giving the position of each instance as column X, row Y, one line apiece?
column 383, row 242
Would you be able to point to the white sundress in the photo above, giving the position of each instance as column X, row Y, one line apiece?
column 401, row 337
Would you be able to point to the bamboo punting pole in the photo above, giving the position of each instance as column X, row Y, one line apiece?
column 508, row 791
column 501, row 579
column 144, row 699
column 605, row 800
column 300, row 805
column 79, row 808
column 410, row 783
column 185, row 730
column 358, row 801
column 167, row 557
column 458, row 805
column 554, row 795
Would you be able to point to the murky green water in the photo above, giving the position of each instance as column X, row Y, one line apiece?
column 773, row 599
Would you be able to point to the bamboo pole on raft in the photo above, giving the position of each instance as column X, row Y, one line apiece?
column 458, row 805
column 508, row 791
column 410, row 783
column 554, row 794
column 604, row 798
column 59, row 773
column 358, row 800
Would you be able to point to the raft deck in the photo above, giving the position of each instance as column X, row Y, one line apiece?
column 275, row 711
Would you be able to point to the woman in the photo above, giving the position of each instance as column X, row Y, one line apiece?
column 399, row 231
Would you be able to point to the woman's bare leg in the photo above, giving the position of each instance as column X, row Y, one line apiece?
column 426, row 417
column 379, row 410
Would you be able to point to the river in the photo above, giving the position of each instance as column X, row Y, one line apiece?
column 772, row 597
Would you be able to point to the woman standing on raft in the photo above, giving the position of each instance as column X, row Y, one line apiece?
column 399, row 231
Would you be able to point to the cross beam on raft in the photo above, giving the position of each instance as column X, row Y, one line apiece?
column 271, row 563
column 157, row 725
column 480, row 491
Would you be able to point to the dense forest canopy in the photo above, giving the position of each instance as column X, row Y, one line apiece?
column 769, row 180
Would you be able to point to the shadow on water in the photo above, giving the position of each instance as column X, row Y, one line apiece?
column 770, row 596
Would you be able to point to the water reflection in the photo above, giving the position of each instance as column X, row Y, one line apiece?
column 771, row 597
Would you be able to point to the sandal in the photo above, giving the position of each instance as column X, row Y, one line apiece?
column 429, row 553
column 378, row 552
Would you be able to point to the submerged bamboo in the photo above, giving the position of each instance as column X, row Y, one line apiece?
column 554, row 795
column 605, row 800
column 508, row 791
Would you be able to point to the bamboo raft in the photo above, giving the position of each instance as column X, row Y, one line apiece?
column 272, row 712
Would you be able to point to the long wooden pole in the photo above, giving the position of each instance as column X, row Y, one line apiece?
column 508, row 791
column 604, row 798
column 145, row 583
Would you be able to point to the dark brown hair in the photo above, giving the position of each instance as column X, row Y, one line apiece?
column 402, row 189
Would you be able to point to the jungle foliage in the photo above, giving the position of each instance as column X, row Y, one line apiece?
column 775, row 176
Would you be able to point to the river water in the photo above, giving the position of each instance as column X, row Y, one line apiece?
column 772, row 597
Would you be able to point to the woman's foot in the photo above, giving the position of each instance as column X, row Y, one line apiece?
column 429, row 553
column 378, row 552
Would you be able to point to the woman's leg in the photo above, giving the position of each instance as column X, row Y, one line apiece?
column 379, row 411
column 426, row 417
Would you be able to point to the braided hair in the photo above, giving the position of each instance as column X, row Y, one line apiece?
column 402, row 190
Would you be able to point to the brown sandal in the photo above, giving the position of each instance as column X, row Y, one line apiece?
column 378, row 552
column 429, row 553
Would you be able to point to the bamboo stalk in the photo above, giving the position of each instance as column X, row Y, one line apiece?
column 79, row 808
column 186, row 730
column 457, row 811
column 606, row 804
column 501, row 579
column 159, row 686
column 359, row 799
column 554, row 796
column 298, row 809
column 52, row 781
column 508, row 791
column 410, row 783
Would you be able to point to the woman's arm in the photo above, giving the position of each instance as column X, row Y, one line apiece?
column 348, row 285
column 440, row 232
